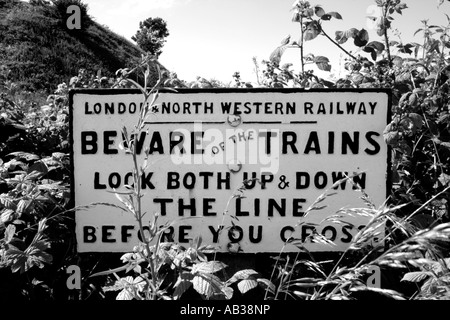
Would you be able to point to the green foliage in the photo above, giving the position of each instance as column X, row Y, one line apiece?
column 33, row 255
column 188, row 266
column 34, row 195
column 25, row 126
column 436, row 275
column 151, row 35
column 40, row 52
column 310, row 19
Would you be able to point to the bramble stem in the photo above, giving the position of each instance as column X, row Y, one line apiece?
column 338, row 45
column 301, row 45
column 386, row 38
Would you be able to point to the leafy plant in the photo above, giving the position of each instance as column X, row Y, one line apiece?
column 154, row 261
column 434, row 279
column 151, row 35
column 33, row 218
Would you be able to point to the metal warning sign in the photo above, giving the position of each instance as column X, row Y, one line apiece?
column 238, row 167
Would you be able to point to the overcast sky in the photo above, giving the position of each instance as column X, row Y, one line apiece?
column 215, row 38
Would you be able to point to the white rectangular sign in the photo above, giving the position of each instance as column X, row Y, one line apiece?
column 290, row 144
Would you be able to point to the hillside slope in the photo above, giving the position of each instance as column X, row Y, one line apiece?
column 40, row 51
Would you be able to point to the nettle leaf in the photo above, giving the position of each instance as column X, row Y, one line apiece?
column 17, row 259
column 242, row 274
column 440, row 266
column 58, row 155
column 9, row 233
column 208, row 267
column 247, row 285
column 228, row 292
column 207, row 284
column 6, row 215
column 362, row 38
column 36, row 256
column 267, row 284
column 7, row 202
column 116, row 286
column 124, row 295
column 312, row 30
column 416, row 276
column 428, row 286
column 24, row 206
column 128, row 284
column 50, row 186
